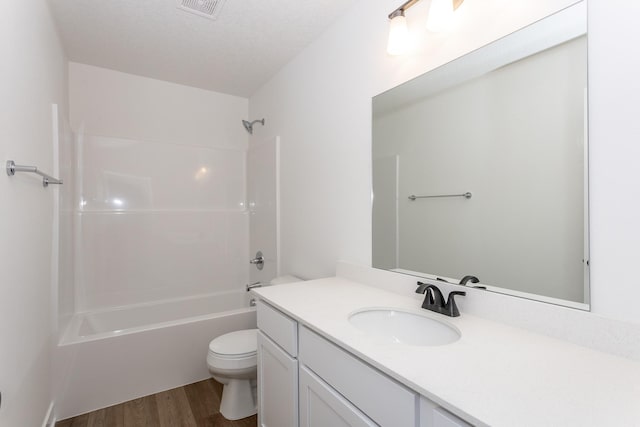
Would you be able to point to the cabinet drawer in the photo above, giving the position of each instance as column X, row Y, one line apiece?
column 279, row 327
column 384, row 400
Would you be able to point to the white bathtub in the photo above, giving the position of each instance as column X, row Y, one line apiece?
column 134, row 318
column 110, row 356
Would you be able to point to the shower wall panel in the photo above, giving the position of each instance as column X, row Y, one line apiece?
column 262, row 196
column 160, row 189
column 158, row 221
column 66, row 168
column 121, row 174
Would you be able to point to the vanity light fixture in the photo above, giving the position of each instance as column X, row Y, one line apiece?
column 439, row 18
column 440, row 15
column 398, row 33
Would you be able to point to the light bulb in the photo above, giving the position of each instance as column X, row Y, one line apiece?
column 398, row 35
column 440, row 15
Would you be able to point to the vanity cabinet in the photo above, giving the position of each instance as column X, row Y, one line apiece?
column 277, row 369
column 305, row 380
column 382, row 399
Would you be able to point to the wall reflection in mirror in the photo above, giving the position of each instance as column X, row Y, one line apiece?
column 506, row 123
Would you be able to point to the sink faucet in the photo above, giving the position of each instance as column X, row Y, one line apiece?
column 434, row 300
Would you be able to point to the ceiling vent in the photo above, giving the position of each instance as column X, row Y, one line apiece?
column 207, row 8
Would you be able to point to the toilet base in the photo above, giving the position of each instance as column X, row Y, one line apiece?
column 238, row 399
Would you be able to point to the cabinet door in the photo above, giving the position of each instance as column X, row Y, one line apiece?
column 431, row 415
column 322, row 406
column 277, row 385
column 442, row 418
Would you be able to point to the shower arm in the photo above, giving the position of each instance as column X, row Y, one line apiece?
column 249, row 125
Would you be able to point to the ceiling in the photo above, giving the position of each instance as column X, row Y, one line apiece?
column 235, row 54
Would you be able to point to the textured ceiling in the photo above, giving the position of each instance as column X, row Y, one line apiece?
column 235, row 54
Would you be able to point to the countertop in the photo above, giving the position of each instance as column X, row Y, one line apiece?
column 494, row 374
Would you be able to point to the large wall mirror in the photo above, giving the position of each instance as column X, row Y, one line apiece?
column 480, row 166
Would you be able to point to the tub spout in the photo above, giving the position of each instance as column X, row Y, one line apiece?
column 253, row 285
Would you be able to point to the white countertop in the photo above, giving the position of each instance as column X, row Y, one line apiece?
column 494, row 375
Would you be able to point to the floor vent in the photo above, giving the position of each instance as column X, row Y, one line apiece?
column 207, row 8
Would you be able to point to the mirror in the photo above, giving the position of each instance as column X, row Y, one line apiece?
column 480, row 166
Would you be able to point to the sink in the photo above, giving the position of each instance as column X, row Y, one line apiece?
column 396, row 326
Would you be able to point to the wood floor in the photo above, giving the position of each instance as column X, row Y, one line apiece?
column 194, row 405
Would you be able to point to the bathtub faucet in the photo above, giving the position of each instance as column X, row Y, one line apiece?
column 253, row 285
column 258, row 261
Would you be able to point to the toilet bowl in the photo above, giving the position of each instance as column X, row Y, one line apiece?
column 232, row 361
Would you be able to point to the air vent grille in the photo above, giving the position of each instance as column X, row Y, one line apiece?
column 207, row 8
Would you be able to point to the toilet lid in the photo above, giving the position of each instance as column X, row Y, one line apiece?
column 238, row 343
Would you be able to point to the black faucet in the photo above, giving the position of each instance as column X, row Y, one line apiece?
column 472, row 279
column 434, row 301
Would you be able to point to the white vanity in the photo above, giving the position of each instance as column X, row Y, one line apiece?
column 318, row 369
column 306, row 380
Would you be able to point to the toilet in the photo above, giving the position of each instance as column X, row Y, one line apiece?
column 232, row 361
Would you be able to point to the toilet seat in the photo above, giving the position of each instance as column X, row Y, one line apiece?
column 227, row 365
column 235, row 350
column 233, row 356
column 235, row 345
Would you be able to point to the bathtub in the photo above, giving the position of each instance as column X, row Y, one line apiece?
column 110, row 356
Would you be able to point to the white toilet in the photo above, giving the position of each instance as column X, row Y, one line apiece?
column 232, row 361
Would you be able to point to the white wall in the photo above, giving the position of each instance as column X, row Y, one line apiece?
column 32, row 78
column 110, row 103
column 161, row 188
column 320, row 104
column 614, row 152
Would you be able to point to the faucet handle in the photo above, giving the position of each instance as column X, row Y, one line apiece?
column 429, row 295
column 422, row 287
column 450, row 307
column 433, row 297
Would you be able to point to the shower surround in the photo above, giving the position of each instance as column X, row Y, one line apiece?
column 158, row 221
column 157, row 259
column 160, row 190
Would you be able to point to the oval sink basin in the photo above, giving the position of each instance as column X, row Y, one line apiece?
column 402, row 327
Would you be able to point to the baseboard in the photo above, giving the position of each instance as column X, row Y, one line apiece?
column 50, row 418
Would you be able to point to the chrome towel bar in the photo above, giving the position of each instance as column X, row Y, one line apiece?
column 466, row 195
column 12, row 168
